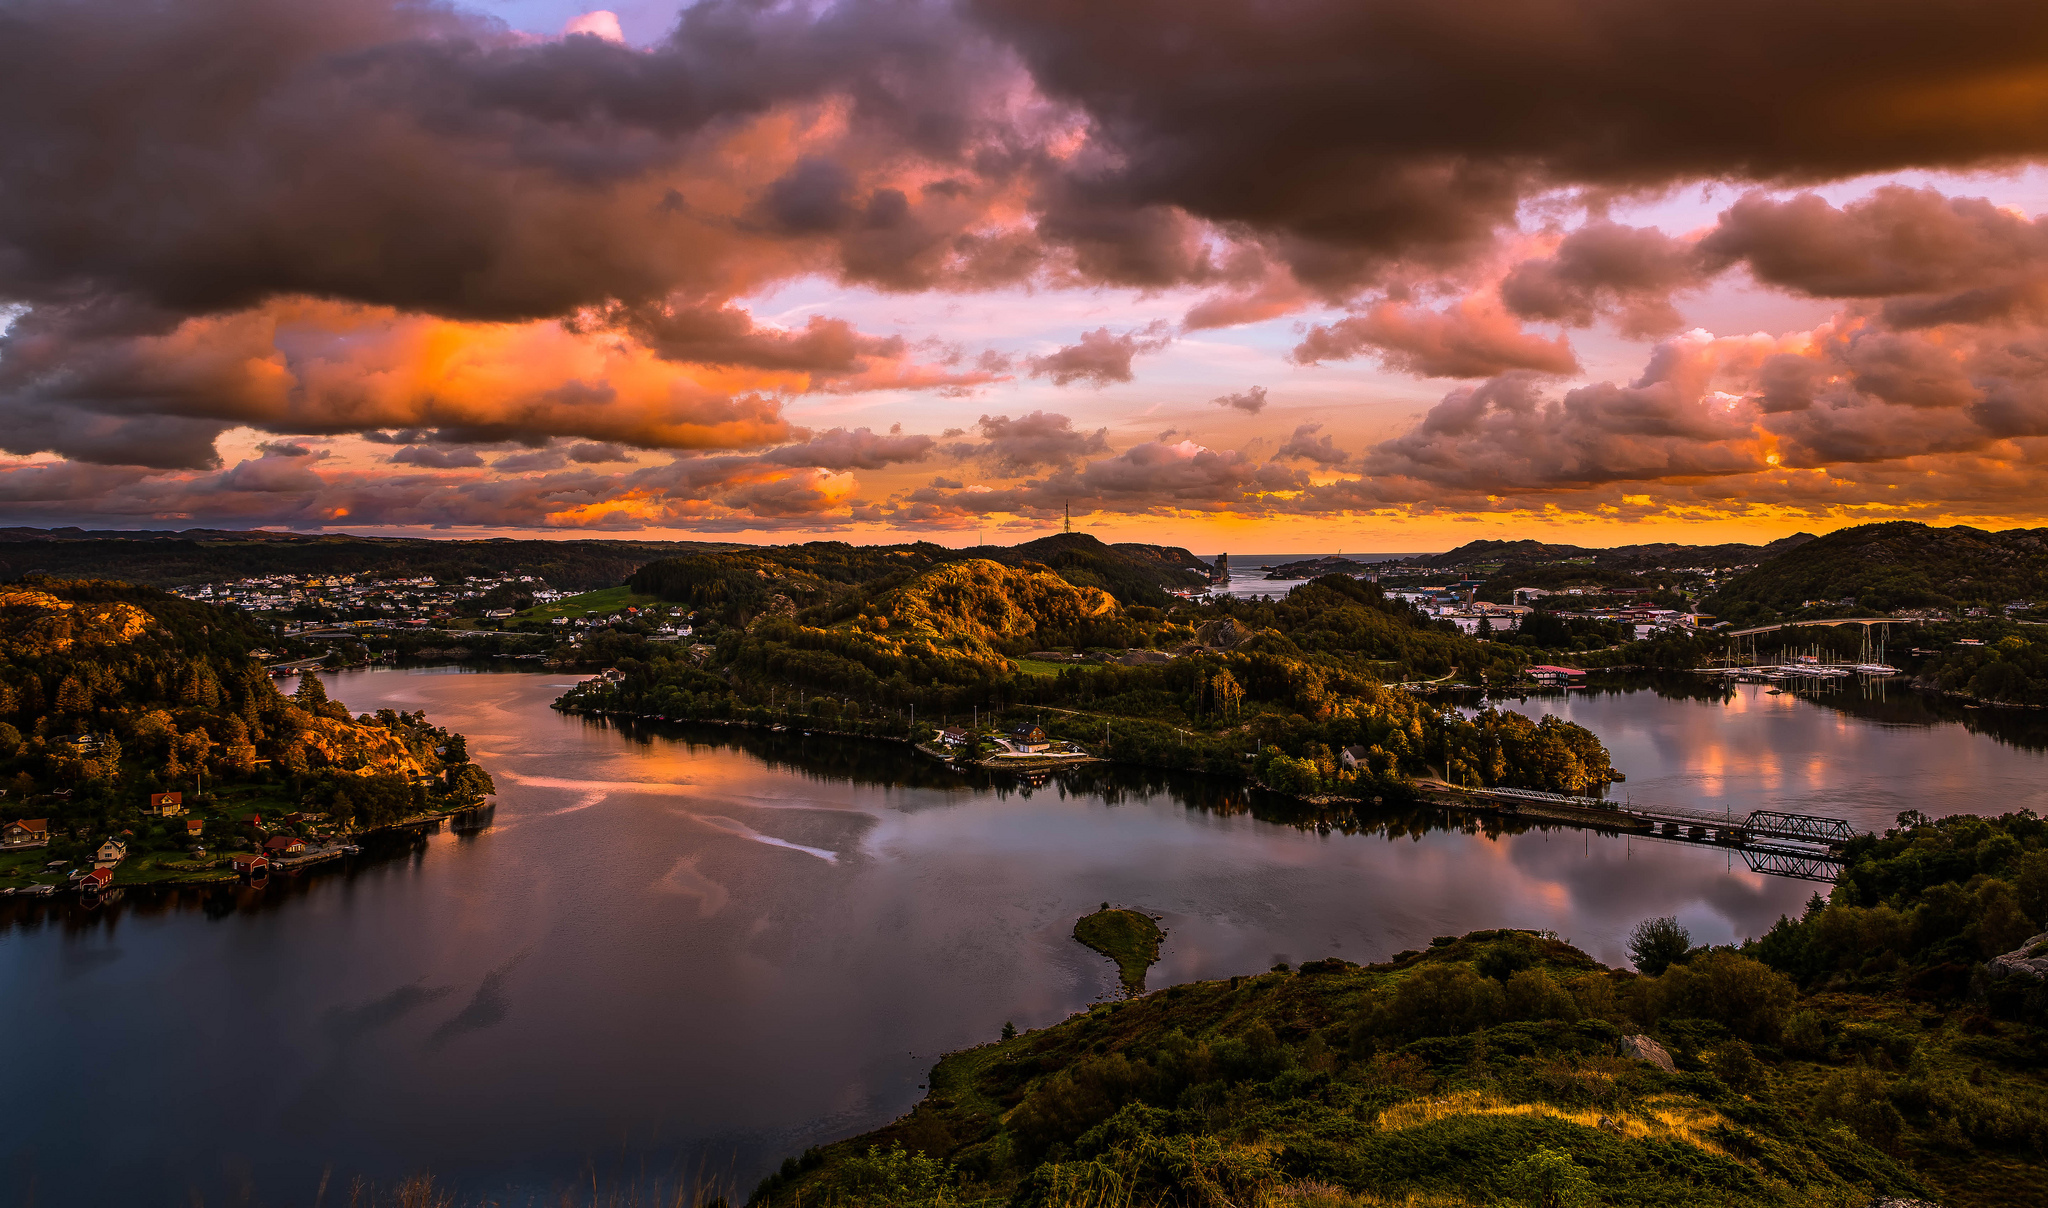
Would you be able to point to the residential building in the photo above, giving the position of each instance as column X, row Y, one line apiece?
column 1028, row 740
column 283, row 845
column 166, row 805
column 1555, row 676
column 27, row 832
column 112, row 852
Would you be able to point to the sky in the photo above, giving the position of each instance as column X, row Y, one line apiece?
column 1364, row 275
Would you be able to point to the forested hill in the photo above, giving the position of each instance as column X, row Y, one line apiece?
column 744, row 583
column 111, row 692
column 1902, row 564
column 1509, row 554
column 171, row 559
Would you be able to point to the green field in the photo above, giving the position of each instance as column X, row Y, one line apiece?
column 1038, row 667
column 602, row 602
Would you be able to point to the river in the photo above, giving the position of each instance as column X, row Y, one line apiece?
column 682, row 951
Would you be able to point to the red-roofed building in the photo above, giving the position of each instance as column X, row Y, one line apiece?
column 166, row 805
column 283, row 845
column 96, row 880
column 1555, row 676
column 247, row 862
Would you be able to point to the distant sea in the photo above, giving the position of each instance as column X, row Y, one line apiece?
column 1248, row 571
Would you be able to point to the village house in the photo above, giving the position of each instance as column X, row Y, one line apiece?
column 953, row 736
column 194, row 828
column 96, row 880
column 283, row 845
column 166, row 805
column 1555, row 676
column 112, row 852
column 1028, row 740
column 27, row 832
column 247, row 862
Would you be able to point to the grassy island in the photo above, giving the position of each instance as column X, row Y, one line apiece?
column 1128, row 937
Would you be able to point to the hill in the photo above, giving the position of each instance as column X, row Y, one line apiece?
column 1523, row 554
column 1298, row 680
column 1133, row 573
column 741, row 584
column 174, row 559
column 1882, row 567
column 111, row 692
column 1890, row 1043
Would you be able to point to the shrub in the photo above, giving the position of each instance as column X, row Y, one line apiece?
column 1548, row 1178
column 1748, row 997
column 1656, row 944
column 1860, row 1098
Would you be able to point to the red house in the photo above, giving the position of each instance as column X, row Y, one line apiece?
column 193, row 827
column 96, row 880
column 255, row 820
column 283, row 845
column 245, row 862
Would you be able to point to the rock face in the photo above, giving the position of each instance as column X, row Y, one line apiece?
column 2028, row 960
column 1642, row 1048
column 1892, row 1201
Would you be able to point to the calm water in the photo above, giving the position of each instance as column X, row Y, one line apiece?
column 688, row 950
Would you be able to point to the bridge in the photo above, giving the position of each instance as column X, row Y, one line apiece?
column 1865, row 621
column 1804, row 846
column 1675, row 822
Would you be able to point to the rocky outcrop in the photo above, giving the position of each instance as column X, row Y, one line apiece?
column 1642, row 1048
column 2028, row 960
column 1892, row 1201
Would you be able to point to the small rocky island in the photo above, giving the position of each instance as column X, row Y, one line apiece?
column 1128, row 937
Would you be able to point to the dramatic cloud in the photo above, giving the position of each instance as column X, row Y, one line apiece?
column 1251, row 401
column 1605, row 267
column 429, row 458
column 1100, row 358
column 1935, row 259
column 531, row 266
column 1042, row 438
column 1471, row 339
column 1305, row 445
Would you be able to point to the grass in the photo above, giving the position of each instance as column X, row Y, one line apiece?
column 1038, row 667
column 604, row 601
column 1128, row 937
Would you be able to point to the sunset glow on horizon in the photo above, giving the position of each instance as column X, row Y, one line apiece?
column 1380, row 277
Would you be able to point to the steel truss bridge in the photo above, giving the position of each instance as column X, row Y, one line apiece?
column 1781, row 844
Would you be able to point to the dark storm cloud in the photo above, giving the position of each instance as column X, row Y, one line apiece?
column 1361, row 131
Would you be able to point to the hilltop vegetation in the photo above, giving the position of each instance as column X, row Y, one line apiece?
column 1881, row 567
column 1865, row 1050
column 737, row 586
column 165, row 559
column 110, row 692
